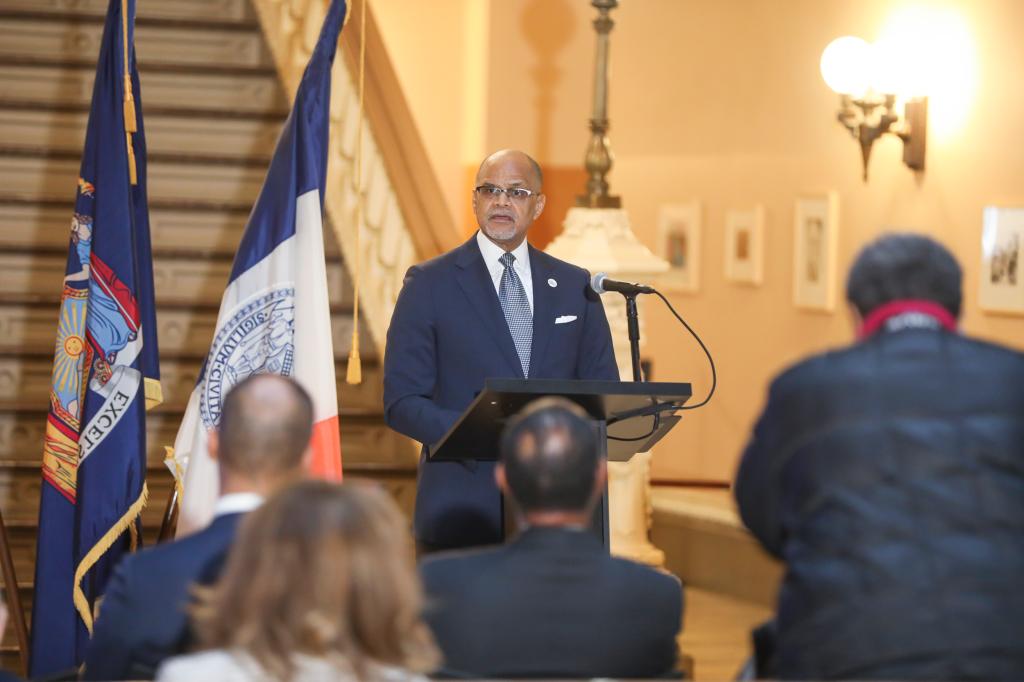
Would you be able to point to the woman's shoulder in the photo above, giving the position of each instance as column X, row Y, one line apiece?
column 230, row 666
column 387, row 673
column 315, row 669
column 215, row 664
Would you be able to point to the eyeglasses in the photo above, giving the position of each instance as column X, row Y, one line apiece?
column 513, row 193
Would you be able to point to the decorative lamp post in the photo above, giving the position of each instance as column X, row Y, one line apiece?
column 597, row 235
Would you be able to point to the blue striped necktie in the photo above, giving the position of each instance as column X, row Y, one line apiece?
column 517, row 311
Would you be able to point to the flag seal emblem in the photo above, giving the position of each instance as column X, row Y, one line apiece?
column 258, row 338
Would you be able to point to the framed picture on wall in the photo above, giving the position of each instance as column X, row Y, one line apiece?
column 815, row 235
column 1002, row 257
column 744, row 247
column 679, row 228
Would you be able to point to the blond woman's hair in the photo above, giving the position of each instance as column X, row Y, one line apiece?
column 322, row 570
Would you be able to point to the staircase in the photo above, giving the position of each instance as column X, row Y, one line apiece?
column 213, row 106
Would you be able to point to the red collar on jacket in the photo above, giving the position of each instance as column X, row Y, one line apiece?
column 908, row 308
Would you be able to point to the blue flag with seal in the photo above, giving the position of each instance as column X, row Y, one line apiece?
column 105, row 369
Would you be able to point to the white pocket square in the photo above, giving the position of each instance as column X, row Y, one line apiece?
column 564, row 319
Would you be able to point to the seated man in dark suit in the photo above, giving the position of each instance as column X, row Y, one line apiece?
column 552, row 603
column 889, row 476
column 261, row 444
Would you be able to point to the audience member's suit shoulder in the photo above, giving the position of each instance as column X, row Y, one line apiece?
column 1010, row 359
column 168, row 557
column 449, row 570
column 829, row 367
column 461, row 571
column 636, row 584
column 655, row 580
column 821, row 367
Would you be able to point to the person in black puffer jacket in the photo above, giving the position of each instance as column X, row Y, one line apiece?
column 889, row 477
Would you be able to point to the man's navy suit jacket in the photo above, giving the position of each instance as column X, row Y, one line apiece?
column 448, row 333
column 142, row 618
column 551, row 603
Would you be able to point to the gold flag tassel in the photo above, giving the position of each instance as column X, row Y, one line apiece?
column 130, row 123
column 354, row 375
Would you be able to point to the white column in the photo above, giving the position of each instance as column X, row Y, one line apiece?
column 601, row 240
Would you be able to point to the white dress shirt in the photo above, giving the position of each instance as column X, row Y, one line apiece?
column 236, row 503
column 492, row 254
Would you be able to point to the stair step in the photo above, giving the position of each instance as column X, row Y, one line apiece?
column 19, row 495
column 25, row 383
column 175, row 230
column 37, row 278
column 50, row 177
column 238, row 94
column 20, row 488
column 365, row 440
column 76, row 40
column 214, row 11
column 29, row 331
column 64, row 131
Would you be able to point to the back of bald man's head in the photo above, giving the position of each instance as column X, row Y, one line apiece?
column 265, row 426
column 550, row 455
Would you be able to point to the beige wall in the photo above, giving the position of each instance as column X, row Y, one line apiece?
column 721, row 101
column 439, row 51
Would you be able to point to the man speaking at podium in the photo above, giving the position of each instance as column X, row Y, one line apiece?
column 494, row 307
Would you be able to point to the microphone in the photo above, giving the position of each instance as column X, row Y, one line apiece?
column 600, row 283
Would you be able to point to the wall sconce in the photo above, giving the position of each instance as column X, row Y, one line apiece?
column 858, row 72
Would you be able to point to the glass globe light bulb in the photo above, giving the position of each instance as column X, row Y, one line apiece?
column 847, row 64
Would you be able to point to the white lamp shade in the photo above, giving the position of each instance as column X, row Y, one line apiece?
column 847, row 64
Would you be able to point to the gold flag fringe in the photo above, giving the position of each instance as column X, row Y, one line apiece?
column 99, row 549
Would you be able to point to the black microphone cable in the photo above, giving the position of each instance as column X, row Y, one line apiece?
column 714, row 374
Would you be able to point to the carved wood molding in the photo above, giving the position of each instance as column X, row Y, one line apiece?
column 405, row 219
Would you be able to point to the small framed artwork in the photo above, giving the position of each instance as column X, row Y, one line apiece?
column 1002, row 253
column 815, row 235
column 679, row 227
column 744, row 247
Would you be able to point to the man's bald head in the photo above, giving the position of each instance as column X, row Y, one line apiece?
column 550, row 459
column 265, row 426
column 513, row 154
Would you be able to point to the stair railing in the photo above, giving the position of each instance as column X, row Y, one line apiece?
column 405, row 219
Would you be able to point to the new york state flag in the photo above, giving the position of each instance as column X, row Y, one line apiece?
column 105, row 371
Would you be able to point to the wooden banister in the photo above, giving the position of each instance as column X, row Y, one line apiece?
column 405, row 218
